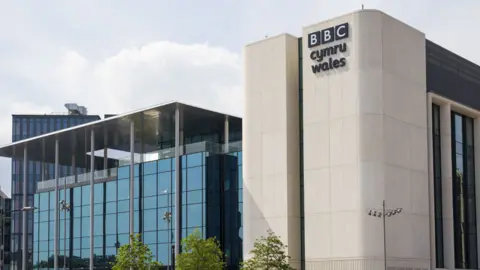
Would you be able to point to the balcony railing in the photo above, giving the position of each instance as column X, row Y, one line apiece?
column 210, row 147
column 80, row 178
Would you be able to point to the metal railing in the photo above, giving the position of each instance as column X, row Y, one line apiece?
column 209, row 147
column 79, row 178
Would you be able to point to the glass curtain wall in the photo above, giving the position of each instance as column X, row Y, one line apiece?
column 23, row 127
column 154, row 201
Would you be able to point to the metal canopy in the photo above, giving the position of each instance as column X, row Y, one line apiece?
column 150, row 124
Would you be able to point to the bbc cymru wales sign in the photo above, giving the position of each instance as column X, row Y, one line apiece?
column 326, row 55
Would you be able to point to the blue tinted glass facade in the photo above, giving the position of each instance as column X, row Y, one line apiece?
column 211, row 196
column 23, row 127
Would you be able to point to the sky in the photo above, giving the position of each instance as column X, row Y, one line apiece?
column 114, row 56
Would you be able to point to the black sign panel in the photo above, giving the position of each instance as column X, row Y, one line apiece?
column 328, row 35
column 326, row 57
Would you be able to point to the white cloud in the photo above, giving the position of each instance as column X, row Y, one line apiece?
column 133, row 78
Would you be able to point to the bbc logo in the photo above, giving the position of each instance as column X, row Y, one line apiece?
column 328, row 35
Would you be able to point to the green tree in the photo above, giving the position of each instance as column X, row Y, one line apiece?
column 136, row 256
column 268, row 253
column 199, row 253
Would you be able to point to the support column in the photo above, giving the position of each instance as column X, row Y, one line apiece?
column 142, row 144
column 43, row 160
column 132, row 176
column 92, row 193
column 178, row 200
column 24, row 212
column 105, row 151
column 74, row 158
column 55, row 238
column 74, row 167
column 447, row 198
column 226, row 135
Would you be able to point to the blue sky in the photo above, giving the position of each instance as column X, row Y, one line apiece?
column 115, row 56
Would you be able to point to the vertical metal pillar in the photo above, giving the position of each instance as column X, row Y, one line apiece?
column 43, row 160
column 64, row 223
column 105, row 151
column 74, row 167
column 92, row 192
column 132, row 175
column 24, row 212
column 142, row 144
column 226, row 135
column 55, row 238
column 178, row 200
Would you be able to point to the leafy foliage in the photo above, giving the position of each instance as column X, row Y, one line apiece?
column 199, row 253
column 268, row 253
column 136, row 256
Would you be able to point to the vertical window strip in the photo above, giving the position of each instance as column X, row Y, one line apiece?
column 302, row 193
column 437, row 182
column 464, row 210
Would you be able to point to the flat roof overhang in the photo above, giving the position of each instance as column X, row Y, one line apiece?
column 114, row 133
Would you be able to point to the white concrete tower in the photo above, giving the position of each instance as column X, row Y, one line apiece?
column 365, row 141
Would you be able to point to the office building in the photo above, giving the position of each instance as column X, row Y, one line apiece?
column 359, row 110
column 144, row 164
column 27, row 126
column 5, row 215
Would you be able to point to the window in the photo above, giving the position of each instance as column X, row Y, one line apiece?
column 98, row 241
column 98, row 210
column 150, row 220
column 123, row 189
column 123, row 223
column 194, row 160
column 150, row 202
column 111, row 240
column 123, row 206
column 77, row 227
column 98, row 193
column 111, row 191
column 194, row 215
column 194, row 178
column 86, row 195
column 194, row 196
column 44, row 199
column 86, row 211
column 150, row 168
column 124, row 172
column 464, row 208
column 150, row 237
column 111, row 207
column 111, row 224
column 98, row 225
column 150, row 185
column 164, row 165
column 437, row 171
column 164, row 182
column 85, row 226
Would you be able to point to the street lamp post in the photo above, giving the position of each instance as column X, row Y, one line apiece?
column 65, row 207
column 167, row 216
column 383, row 214
column 25, row 210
